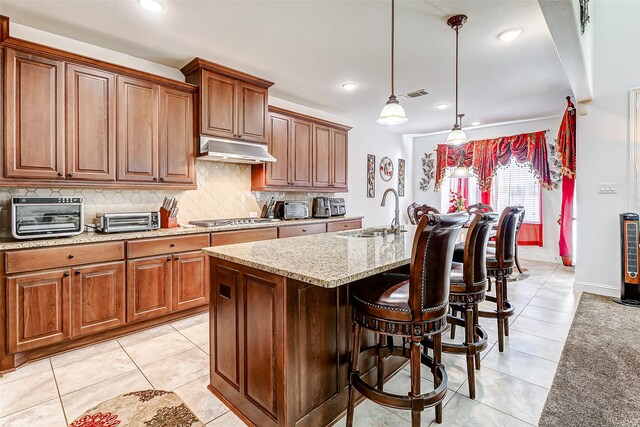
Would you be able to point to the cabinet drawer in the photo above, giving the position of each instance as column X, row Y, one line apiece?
column 241, row 236
column 344, row 225
column 62, row 256
column 166, row 245
column 301, row 230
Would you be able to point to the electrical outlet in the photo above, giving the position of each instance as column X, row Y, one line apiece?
column 253, row 214
column 607, row 188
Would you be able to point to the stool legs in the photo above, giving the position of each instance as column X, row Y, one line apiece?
column 437, row 363
column 500, row 281
column 381, row 344
column 355, row 353
column 453, row 326
column 476, row 337
column 469, row 330
column 415, row 381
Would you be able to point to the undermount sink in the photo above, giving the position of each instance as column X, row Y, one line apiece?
column 370, row 232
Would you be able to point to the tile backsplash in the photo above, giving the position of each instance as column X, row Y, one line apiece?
column 224, row 191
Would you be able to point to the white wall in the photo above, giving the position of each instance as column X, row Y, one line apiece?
column 550, row 199
column 367, row 137
column 603, row 145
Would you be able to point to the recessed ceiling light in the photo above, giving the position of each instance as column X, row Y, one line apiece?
column 349, row 86
column 152, row 5
column 510, row 34
column 476, row 123
column 443, row 106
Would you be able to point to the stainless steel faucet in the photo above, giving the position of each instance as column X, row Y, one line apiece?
column 395, row 224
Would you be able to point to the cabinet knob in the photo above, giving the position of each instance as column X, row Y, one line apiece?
column 155, row 178
column 70, row 175
column 168, row 258
column 71, row 256
column 77, row 271
column 60, row 173
column 304, row 231
column 173, row 245
column 176, row 258
column 161, row 179
column 66, row 274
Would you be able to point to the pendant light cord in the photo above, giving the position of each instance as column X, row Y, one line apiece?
column 393, row 93
column 457, row 29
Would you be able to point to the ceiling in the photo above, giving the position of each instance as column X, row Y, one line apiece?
column 309, row 48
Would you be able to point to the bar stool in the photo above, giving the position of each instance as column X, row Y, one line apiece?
column 413, row 307
column 468, row 285
column 500, row 264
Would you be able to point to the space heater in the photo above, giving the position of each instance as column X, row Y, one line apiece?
column 630, row 286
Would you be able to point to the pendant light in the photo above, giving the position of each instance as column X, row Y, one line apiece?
column 457, row 136
column 392, row 113
column 460, row 171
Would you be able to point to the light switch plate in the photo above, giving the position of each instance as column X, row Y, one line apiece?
column 607, row 188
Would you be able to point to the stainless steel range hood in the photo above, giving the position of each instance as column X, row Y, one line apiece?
column 231, row 151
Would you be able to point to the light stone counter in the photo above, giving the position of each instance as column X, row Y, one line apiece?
column 328, row 260
column 9, row 243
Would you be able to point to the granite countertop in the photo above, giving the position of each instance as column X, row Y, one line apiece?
column 328, row 260
column 7, row 242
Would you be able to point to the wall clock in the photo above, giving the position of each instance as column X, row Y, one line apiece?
column 386, row 169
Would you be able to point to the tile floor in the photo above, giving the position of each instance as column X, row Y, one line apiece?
column 511, row 386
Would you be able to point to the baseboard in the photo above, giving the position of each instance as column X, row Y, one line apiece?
column 541, row 258
column 596, row 288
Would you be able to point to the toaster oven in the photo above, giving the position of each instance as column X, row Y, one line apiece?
column 40, row 217
column 292, row 210
column 128, row 221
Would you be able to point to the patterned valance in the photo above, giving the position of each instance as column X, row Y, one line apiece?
column 484, row 157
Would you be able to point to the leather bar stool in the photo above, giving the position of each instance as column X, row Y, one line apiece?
column 500, row 264
column 468, row 285
column 411, row 307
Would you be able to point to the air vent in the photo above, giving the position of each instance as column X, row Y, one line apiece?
column 414, row 94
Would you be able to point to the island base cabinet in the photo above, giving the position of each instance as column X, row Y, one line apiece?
column 38, row 310
column 280, row 348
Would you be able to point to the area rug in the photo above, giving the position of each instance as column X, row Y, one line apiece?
column 598, row 378
column 147, row 408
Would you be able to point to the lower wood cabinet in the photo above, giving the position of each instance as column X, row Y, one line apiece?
column 98, row 298
column 190, row 280
column 38, row 309
column 148, row 287
column 301, row 230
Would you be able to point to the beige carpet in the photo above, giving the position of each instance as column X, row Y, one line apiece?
column 147, row 408
column 598, row 379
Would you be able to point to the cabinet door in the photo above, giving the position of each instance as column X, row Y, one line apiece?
column 252, row 112
column 190, row 280
column 137, row 130
column 219, row 106
column 37, row 310
column 277, row 174
column 91, row 124
column 177, row 139
column 301, row 149
column 339, row 155
column 321, row 156
column 148, row 287
column 34, row 116
column 98, row 298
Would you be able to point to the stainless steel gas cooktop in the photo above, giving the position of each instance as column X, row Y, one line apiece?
column 230, row 221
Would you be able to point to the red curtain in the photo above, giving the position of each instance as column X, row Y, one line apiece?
column 566, row 145
column 485, row 156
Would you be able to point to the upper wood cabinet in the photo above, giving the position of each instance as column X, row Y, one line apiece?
column 34, row 116
column 91, row 123
column 233, row 104
column 76, row 121
column 311, row 154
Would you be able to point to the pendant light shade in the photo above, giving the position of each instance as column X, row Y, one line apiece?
column 392, row 113
column 457, row 136
column 460, row 172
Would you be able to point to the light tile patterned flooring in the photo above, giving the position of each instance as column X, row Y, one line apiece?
column 511, row 386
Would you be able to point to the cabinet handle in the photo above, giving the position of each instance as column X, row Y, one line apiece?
column 161, row 179
column 77, row 271
column 173, row 245
column 60, row 174
column 71, row 256
column 168, row 258
column 304, row 231
column 155, row 178
column 176, row 258
column 70, row 175
column 66, row 274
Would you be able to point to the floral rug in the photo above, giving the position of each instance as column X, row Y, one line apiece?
column 147, row 408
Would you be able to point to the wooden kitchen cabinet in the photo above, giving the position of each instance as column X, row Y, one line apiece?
column 148, row 287
column 301, row 230
column 339, row 160
column 38, row 311
column 34, row 116
column 91, row 124
column 277, row 174
column 301, row 164
column 190, row 280
column 176, row 136
column 321, row 156
column 98, row 298
column 233, row 104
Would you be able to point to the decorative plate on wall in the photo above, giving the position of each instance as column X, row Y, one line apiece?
column 386, row 169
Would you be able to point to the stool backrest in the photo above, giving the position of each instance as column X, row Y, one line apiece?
column 479, row 208
column 475, row 251
column 431, row 258
column 416, row 211
column 507, row 235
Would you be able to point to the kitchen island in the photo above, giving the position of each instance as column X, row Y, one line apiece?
column 280, row 323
